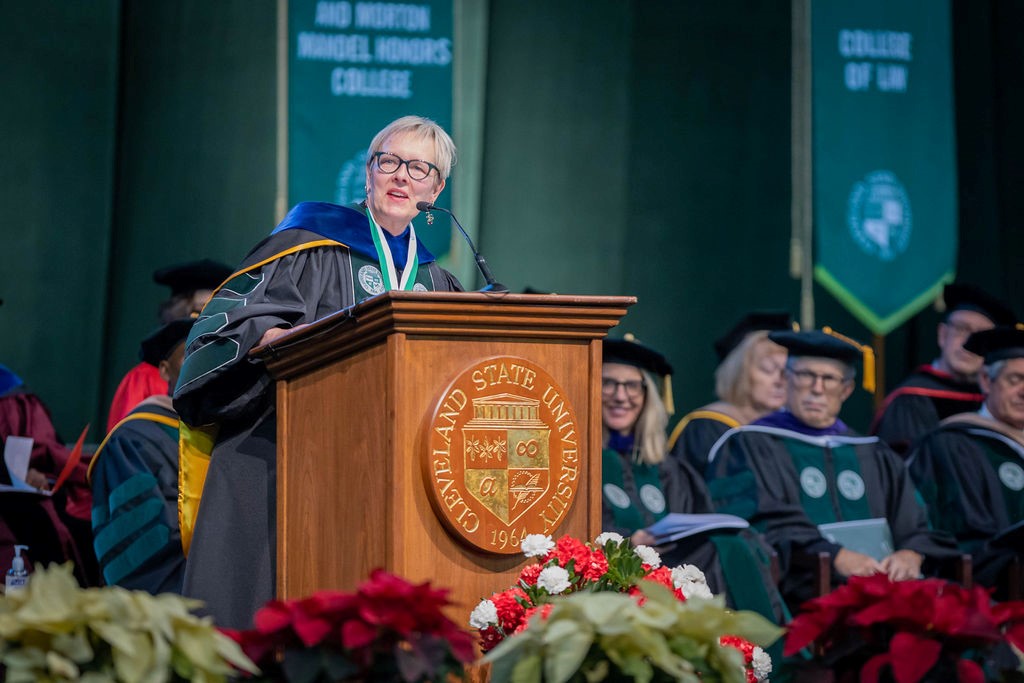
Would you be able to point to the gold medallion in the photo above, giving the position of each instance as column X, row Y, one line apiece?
column 503, row 458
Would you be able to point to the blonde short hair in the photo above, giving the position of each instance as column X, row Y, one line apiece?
column 419, row 128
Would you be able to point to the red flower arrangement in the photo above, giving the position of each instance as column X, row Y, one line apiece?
column 906, row 628
column 387, row 630
column 570, row 566
column 757, row 664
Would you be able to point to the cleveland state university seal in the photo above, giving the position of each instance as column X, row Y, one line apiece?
column 503, row 458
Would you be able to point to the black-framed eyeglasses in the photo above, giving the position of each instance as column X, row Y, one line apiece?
column 417, row 168
column 634, row 387
column 806, row 378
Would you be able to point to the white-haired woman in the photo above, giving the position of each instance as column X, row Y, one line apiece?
column 322, row 258
column 749, row 384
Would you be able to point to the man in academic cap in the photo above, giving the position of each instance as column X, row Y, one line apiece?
column 191, row 285
column 749, row 384
column 134, row 477
column 970, row 469
column 802, row 467
column 949, row 384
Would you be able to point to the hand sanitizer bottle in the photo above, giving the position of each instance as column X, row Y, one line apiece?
column 17, row 577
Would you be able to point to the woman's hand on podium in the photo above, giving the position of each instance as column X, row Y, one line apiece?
column 276, row 332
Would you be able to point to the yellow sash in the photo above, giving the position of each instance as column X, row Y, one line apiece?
column 195, row 444
column 715, row 415
column 152, row 417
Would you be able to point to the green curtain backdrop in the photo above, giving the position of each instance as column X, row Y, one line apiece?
column 643, row 150
column 196, row 153
column 58, row 71
column 618, row 147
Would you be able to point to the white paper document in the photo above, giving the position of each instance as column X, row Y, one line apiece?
column 676, row 525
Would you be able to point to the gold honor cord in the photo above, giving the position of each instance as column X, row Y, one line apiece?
column 387, row 262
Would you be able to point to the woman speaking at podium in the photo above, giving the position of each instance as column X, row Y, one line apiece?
column 321, row 258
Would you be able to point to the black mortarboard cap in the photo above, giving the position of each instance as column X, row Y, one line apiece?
column 827, row 343
column 159, row 345
column 999, row 343
column 628, row 351
column 965, row 297
column 188, row 277
column 751, row 322
column 818, row 344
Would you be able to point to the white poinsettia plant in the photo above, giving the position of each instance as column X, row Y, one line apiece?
column 601, row 610
column 56, row 631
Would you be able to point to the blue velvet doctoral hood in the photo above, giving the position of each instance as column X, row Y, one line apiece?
column 783, row 419
column 349, row 226
column 8, row 380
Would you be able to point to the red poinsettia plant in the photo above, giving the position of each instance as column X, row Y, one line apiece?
column 569, row 566
column 388, row 629
column 907, row 630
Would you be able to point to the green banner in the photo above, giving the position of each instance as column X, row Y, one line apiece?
column 353, row 67
column 883, row 146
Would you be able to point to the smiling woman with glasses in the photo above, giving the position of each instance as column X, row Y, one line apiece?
column 322, row 258
column 639, row 485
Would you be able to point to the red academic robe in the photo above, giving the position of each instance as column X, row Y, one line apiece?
column 140, row 382
column 57, row 528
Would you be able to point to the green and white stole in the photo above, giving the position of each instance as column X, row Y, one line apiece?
column 625, row 512
column 387, row 262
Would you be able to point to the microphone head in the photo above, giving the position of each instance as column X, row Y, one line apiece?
column 424, row 206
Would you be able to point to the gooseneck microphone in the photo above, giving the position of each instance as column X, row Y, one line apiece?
column 491, row 285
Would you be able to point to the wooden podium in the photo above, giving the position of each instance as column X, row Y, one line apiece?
column 358, row 397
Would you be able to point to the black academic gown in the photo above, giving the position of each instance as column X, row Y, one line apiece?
column 696, row 433
column 134, row 477
column 919, row 403
column 728, row 558
column 752, row 474
column 294, row 276
column 682, row 490
column 970, row 472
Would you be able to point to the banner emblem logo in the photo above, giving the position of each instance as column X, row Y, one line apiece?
column 350, row 182
column 878, row 215
column 504, row 454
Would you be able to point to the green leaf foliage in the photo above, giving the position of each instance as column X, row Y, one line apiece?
column 55, row 631
column 609, row 636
